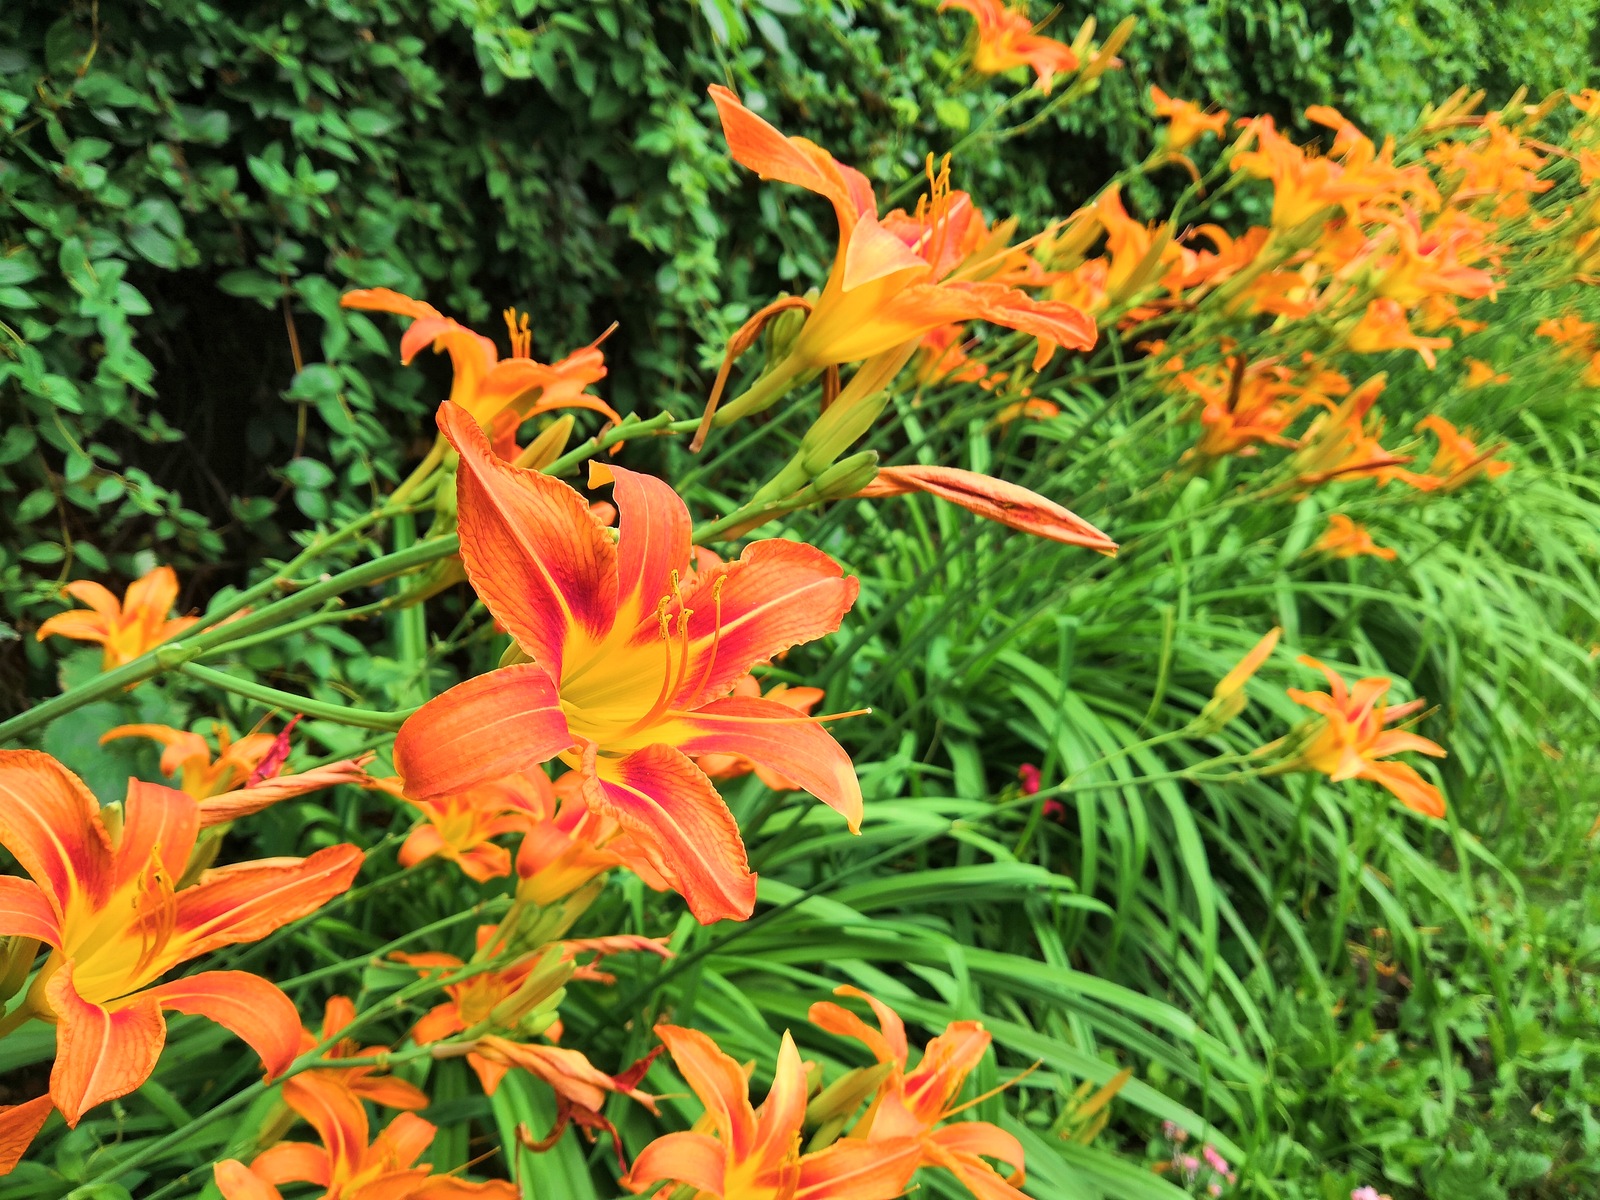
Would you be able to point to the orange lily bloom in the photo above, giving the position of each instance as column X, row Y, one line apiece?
column 1572, row 334
column 731, row 766
column 104, row 903
column 1346, row 539
column 461, row 826
column 754, row 1154
column 1457, row 461
column 499, row 393
column 1339, row 446
column 630, row 670
column 1350, row 739
column 1186, row 121
column 894, row 278
column 1227, row 698
column 1033, row 409
column 1246, row 404
column 243, row 778
column 944, row 357
column 345, row 1165
column 126, row 628
column 1005, row 40
column 1384, row 327
column 571, row 846
column 993, row 499
column 364, row 1083
column 1482, row 374
column 910, row 1104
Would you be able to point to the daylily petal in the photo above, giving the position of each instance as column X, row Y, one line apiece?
column 1408, row 787
column 51, row 824
column 388, row 300
column 774, row 736
column 292, row 1162
column 246, row 1005
column 784, row 1110
column 97, row 596
column 336, row 1115
column 652, row 543
column 686, row 1158
column 178, row 745
column 538, row 561
column 152, row 596
column 101, row 1053
column 717, row 1080
column 391, row 1093
column 156, row 820
column 236, row 1182
column 777, row 594
column 956, row 1148
column 406, row 1137
column 421, row 844
column 493, row 725
column 889, row 1045
column 19, row 1125
column 76, row 624
column 682, row 826
column 994, row 499
column 25, row 911
column 247, row 901
column 1397, row 741
column 859, row 1169
column 247, row 801
column 872, row 253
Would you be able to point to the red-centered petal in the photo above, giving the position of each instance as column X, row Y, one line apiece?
column 152, row 596
column 682, row 826
column 993, row 499
column 75, row 624
column 247, row 901
column 19, row 1125
column 292, row 1162
column 539, row 562
column 717, row 1080
column 501, row 723
column 859, row 1169
column 774, row 736
column 777, row 594
column 101, row 1053
column 1407, row 786
column 784, row 1110
column 25, row 911
column 873, row 252
column 755, row 144
column 652, row 541
column 236, row 1182
column 246, row 1005
column 693, row 1159
column 51, row 824
column 156, row 820
column 336, row 1115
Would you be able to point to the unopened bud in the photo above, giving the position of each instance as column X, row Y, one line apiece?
column 847, row 476
column 847, row 1093
column 778, row 337
column 16, row 961
column 550, row 445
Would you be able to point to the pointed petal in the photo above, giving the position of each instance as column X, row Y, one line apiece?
column 292, row 1162
column 887, row 1043
column 25, row 911
column 387, row 300
column 101, row 1053
column 407, row 1136
column 247, row 901
column 155, row 820
column 776, row 737
column 420, row 845
column 541, row 564
column 1399, row 741
column 391, row 1093
column 777, row 594
column 246, row 1005
column 1408, row 787
column 927, row 306
column 957, row 1147
column 683, row 827
column 995, row 500
column 152, row 596
column 498, row 724
column 336, row 1115
column 76, row 624
column 236, row 1182
column 859, row 1169
column 51, row 824
column 98, row 597
column 718, row 1081
column 693, row 1159
column 652, row 541
column 784, row 1110
column 178, row 745
column 251, row 799
column 19, row 1125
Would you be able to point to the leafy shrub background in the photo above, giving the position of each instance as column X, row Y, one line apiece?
column 186, row 188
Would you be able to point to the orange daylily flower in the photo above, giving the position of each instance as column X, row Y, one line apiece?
column 911, row 1104
column 461, row 826
column 1186, row 121
column 104, row 903
column 1004, row 40
column 1457, row 461
column 1227, row 698
column 363, row 1082
column 1339, row 445
column 346, row 1165
column 1033, row 409
column 628, row 669
column 1350, row 739
column 1482, row 374
column 754, row 1154
column 1383, row 326
column 897, row 277
column 1248, row 404
column 1346, row 539
column 571, row 846
column 499, row 393
column 944, row 357
column 1572, row 334
column 126, row 628
column 731, row 766
column 243, row 778
column 993, row 499
column 1429, row 262
column 1496, row 165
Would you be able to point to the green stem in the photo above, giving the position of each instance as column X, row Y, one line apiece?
column 362, row 718
column 766, row 391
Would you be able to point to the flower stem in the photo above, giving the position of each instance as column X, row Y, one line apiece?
column 362, row 718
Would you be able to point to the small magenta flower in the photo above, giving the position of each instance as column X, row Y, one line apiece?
column 1029, row 775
